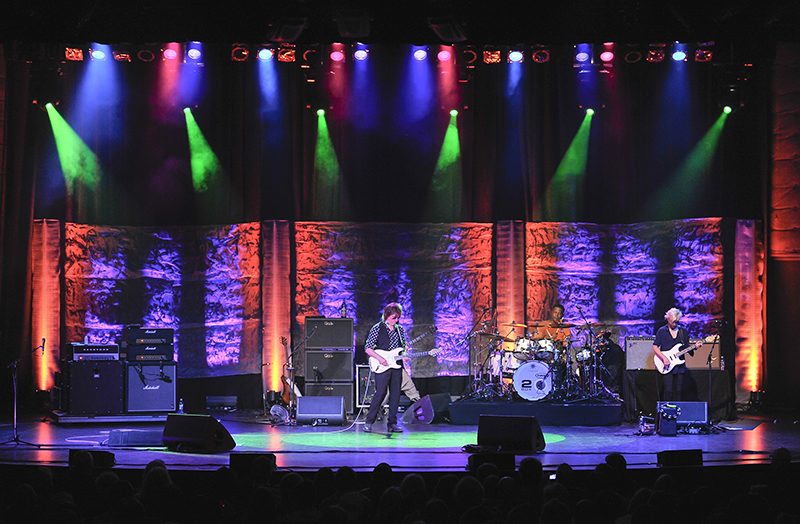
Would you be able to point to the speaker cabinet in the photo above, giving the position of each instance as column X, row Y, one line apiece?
column 320, row 411
column 94, row 387
column 689, row 413
column 329, row 333
column 510, row 433
column 184, row 432
column 151, row 387
column 329, row 366
column 332, row 389
column 430, row 408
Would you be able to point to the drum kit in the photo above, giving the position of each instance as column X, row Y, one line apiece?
column 542, row 365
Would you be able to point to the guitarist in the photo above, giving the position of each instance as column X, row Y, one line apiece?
column 386, row 335
column 666, row 338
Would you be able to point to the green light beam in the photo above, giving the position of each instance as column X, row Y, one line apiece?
column 78, row 161
column 444, row 195
column 680, row 193
column 329, row 194
column 564, row 195
column 204, row 162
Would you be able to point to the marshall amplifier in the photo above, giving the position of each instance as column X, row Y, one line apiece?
column 150, row 352
column 150, row 387
column 76, row 351
column 140, row 335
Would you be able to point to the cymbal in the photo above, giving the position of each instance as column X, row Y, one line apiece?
column 493, row 335
column 510, row 324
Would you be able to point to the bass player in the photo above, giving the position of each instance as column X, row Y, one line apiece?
column 667, row 338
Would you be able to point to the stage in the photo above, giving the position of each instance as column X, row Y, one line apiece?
column 436, row 447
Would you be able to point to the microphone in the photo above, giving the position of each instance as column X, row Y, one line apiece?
column 317, row 374
column 313, row 330
column 487, row 308
column 141, row 375
column 42, row 346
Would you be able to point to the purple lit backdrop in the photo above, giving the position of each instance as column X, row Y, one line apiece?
column 206, row 282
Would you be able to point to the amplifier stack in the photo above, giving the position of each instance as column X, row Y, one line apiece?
column 99, row 379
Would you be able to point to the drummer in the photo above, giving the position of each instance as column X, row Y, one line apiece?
column 553, row 329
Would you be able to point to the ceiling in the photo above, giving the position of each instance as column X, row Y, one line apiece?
column 503, row 22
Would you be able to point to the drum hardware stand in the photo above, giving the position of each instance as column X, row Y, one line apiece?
column 13, row 366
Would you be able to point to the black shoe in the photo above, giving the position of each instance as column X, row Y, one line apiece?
column 368, row 428
column 394, row 428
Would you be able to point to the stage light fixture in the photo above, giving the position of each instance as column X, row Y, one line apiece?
column 195, row 52
column 655, row 55
column 607, row 55
column 239, row 53
column 121, row 56
column 540, row 56
column 320, row 112
column 727, row 110
column 337, row 56
column 583, row 55
column 454, row 112
column 287, row 54
column 265, row 54
column 361, row 54
column 492, row 57
column 590, row 111
column 97, row 54
column 170, row 54
column 444, row 55
column 679, row 52
column 73, row 54
column 420, row 55
column 633, row 56
column 145, row 55
column 515, row 57
column 703, row 55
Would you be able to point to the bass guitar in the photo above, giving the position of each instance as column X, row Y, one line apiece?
column 394, row 357
column 674, row 354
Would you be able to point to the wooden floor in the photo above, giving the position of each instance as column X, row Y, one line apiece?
column 437, row 447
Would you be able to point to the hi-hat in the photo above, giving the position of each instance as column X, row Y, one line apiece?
column 511, row 324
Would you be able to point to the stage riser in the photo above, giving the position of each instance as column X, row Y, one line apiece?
column 547, row 413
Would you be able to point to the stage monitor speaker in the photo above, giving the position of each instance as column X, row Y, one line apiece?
column 329, row 333
column 132, row 438
column 94, row 387
column 151, row 387
column 329, row 366
column 510, row 433
column 680, row 458
column 320, row 411
column 428, row 409
column 690, row 413
column 184, row 432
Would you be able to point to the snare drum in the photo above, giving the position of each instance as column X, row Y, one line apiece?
column 533, row 381
column 543, row 349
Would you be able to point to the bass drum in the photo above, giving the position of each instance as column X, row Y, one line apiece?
column 533, row 380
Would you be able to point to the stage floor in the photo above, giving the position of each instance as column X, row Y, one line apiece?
column 436, row 447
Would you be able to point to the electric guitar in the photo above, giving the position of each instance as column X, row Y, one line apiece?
column 394, row 357
column 674, row 355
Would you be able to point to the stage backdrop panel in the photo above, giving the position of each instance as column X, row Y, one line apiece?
column 626, row 276
column 204, row 282
column 440, row 273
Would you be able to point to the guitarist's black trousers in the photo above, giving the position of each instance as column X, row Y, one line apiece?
column 390, row 379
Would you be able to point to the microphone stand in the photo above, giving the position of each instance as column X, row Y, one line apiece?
column 709, row 361
column 15, row 438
